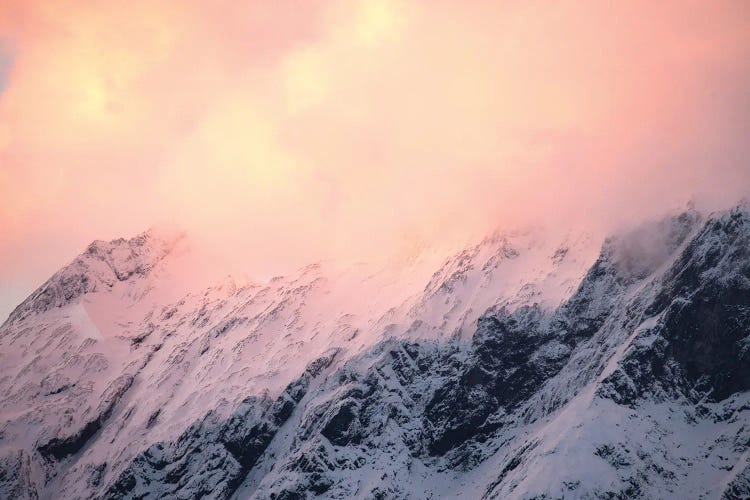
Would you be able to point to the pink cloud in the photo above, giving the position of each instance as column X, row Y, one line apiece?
column 290, row 131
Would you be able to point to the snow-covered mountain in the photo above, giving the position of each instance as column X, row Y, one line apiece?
column 526, row 366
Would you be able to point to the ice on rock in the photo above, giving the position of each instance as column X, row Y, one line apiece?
column 524, row 366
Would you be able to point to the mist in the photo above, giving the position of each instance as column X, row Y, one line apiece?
column 276, row 135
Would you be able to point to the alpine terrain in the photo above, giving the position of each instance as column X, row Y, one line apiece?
column 525, row 366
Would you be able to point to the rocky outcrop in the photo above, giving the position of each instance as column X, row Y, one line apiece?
column 637, row 385
column 214, row 455
column 16, row 476
column 98, row 268
column 58, row 448
column 700, row 346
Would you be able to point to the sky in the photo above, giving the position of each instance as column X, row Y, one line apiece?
column 279, row 133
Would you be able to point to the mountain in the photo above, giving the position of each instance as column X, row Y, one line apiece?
column 525, row 366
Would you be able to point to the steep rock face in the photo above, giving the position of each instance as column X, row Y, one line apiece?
column 700, row 346
column 102, row 265
column 514, row 354
column 634, row 386
column 498, row 373
column 191, row 349
column 17, row 476
column 496, row 405
column 58, row 448
column 212, row 457
column 739, row 486
column 363, row 421
column 666, row 415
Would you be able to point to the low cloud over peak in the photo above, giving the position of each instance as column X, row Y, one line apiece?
column 281, row 134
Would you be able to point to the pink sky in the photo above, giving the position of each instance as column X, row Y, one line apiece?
column 284, row 132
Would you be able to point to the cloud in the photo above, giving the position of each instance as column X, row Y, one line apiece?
column 6, row 63
column 286, row 132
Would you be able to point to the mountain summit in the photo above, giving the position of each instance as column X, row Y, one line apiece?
column 100, row 267
column 520, row 367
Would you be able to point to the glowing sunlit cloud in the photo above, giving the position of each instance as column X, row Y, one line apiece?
column 378, row 21
column 302, row 130
column 306, row 80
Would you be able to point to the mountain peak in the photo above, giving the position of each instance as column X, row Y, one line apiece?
column 525, row 363
column 100, row 267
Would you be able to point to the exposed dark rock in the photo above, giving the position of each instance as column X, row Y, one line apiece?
column 16, row 476
column 739, row 487
column 339, row 430
column 662, row 319
column 213, row 456
column 60, row 447
column 700, row 346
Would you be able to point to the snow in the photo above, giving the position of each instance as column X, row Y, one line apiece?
column 191, row 346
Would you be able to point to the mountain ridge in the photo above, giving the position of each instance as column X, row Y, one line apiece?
column 410, row 405
column 101, row 265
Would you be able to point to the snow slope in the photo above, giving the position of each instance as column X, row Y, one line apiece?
column 523, row 367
